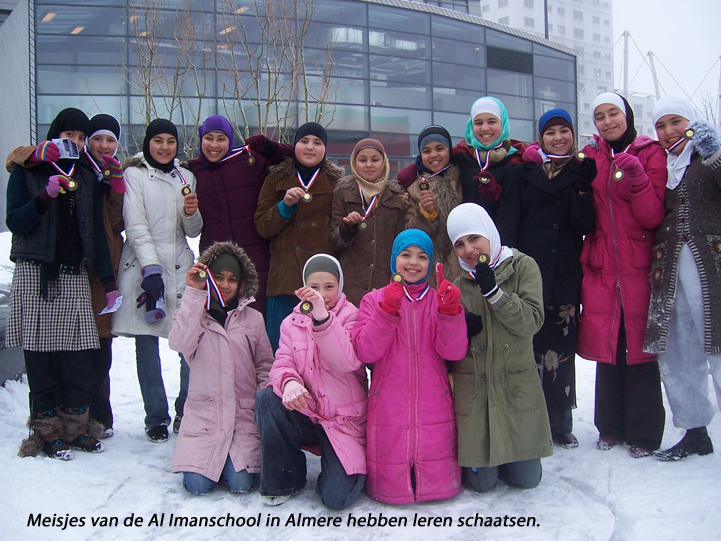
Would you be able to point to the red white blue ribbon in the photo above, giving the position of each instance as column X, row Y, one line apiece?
column 423, row 293
column 60, row 169
column 213, row 285
column 236, row 152
column 472, row 274
column 613, row 152
column 306, row 186
column 369, row 207
column 677, row 143
column 488, row 157
column 429, row 177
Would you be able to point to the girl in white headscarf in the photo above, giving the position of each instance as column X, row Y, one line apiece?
column 684, row 320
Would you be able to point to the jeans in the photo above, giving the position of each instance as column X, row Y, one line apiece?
column 237, row 481
column 521, row 474
column 152, row 387
column 283, row 469
column 277, row 309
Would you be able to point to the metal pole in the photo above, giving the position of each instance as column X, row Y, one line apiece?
column 625, row 64
column 653, row 73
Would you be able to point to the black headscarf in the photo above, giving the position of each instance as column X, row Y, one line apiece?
column 309, row 128
column 70, row 119
column 620, row 144
column 156, row 127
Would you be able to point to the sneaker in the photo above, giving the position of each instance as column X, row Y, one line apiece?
column 108, row 433
column 695, row 442
column 565, row 440
column 157, row 434
column 274, row 501
column 176, row 424
column 639, row 452
column 58, row 450
column 605, row 443
column 87, row 444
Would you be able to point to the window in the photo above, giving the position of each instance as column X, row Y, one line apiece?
column 550, row 9
column 601, row 89
column 578, row 33
column 561, row 11
column 550, row 28
column 581, row 69
column 607, row 40
column 580, row 51
column 528, row 3
column 577, row 15
column 597, row 72
column 528, row 21
column 595, row 3
column 502, row 3
column 606, row 22
column 638, row 109
column 486, row 8
column 608, row 75
column 597, row 55
column 597, row 37
column 561, row 29
column 587, row 124
column 586, row 105
column 503, row 20
column 596, row 20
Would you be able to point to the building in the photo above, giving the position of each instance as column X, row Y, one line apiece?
column 398, row 66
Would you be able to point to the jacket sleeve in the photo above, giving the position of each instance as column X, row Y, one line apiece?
column 113, row 207
column 19, row 156
column 334, row 345
column 338, row 212
column 647, row 203
column 187, row 331
column 284, row 368
column 452, row 336
column 23, row 213
column 193, row 223
column 103, row 264
column 268, row 221
column 521, row 312
column 263, row 355
column 135, row 215
column 374, row 331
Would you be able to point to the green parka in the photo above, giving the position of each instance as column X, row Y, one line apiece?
column 500, row 409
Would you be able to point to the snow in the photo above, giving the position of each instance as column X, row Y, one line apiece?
column 585, row 494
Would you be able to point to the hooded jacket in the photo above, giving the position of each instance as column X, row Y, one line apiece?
column 228, row 365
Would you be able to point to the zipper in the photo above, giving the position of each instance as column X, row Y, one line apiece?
column 413, row 377
column 615, row 255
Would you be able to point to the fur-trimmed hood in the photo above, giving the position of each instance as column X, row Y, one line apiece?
column 287, row 168
column 348, row 182
column 250, row 275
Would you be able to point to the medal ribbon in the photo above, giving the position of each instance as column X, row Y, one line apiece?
column 423, row 293
column 369, row 207
column 212, row 284
column 60, row 170
column 488, row 155
column 472, row 274
column 305, row 186
column 429, row 177
column 236, row 152
column 613, row 152
column 669, row 149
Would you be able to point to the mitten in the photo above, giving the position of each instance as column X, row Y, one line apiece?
column 407, row 175
column 632, row 168
column 116, row 173
column 486, row 280
column 586, row 174
column 533, row 153
column 47, row 151
column 474, row 324
column 262, row 145
column 490, row 189
column 110, row 298
column 706, row 138
column 56, row 183
column 449, row 296
column 152, row 282
column 392, row 298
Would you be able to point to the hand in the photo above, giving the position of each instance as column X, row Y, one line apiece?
column 116, row 173
column 586, row 175
column 152, row 282
column 632, row 168
column 309, row 294
column 707, row 140
column 293, row 195
column 449, row 296
column 47, row 151
column 392, row 298
column 532, row 153
column 257, row 143
column 354, row 218
column 474, row 324
column 190, row 204
column 486, row 279
column 110, row 298
column 406, row 199
column 407, row 175
column 191, row 277
column 491, row 190
column 56, row 184
column 427, row 201
column 295, row 396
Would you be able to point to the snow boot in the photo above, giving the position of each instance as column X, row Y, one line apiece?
column 46, row 435
column 75, row 421
column 696, row 441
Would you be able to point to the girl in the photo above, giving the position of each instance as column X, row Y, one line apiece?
column 317, row 396
column 229, row 355
column 368, row 212
column 684, row 320
column 406, row 330
column 51, row 316
column 616, row 259
column 156, row 257
column 500, row 411
column 431, row 204
column 228, row 184
column 545, row 211
column 293, row 211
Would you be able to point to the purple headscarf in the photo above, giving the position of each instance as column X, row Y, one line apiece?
column 216, row 123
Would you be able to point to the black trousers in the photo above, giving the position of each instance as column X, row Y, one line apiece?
column 629, row 402
column 100, row 409
column 59, row 378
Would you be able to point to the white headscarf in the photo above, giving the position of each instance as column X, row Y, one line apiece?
column 609, row 97
column 485, row 105
column 321, row 262
column 472, row 219
column 676, row 163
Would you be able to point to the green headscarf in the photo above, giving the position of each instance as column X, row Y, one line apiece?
column 495, row 107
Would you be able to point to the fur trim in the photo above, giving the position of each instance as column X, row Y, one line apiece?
column 706, row 137
column 96, row 429
column 75, row 425
column 133, row 161
column 31, row 446
column 44, row 429
column 594, row 144
column 250, row 274
column 287, row 168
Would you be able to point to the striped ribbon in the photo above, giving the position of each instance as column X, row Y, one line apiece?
column 213, row 285
column 369, row 207
column 423, row 293
column 236, row 152
column 307, row 186
column 488, row 157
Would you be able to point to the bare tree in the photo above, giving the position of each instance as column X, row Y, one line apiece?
column 709, row 106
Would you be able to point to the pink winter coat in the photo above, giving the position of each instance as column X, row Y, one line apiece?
column 227, row 368
column 616, row 257
column 322, row 359
column 411, row 423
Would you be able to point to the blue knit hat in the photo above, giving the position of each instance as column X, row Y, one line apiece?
column 557, row 114
column 411, row 237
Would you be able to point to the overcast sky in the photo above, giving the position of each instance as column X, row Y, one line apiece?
column 684, row 35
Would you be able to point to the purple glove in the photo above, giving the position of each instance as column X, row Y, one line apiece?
column 152, row 282
column 47, row 151
column 116, row 173
column 257, row 143
column 407, row 175
column 531, row 154
column 490, row 190
column 631, row 168
column 56, row 183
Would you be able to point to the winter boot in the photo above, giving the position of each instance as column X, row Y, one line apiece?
column 695, row 442
column 96, row 429
column 75, row 421
column 46, row 434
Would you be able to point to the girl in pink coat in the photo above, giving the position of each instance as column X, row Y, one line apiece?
column 229, row 355
column 407, row 330
column 317, row 396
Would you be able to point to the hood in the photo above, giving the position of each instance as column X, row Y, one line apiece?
column 250, row 275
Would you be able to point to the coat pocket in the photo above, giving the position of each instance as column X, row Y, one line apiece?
column 523, row 388
column 351, row 418
column 200, row 417
column 592, row 251
column 641, row 240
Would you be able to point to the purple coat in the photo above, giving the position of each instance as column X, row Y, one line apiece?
column 411, row 424
column 322, row 359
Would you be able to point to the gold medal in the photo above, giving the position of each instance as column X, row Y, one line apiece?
column 397, row 278
column 689, row 133
column 307, row 197
column 485, row 179
column 72, row 185
column 185, row 190
column 617, row 175
column 363, row 226
column 106, row 172
column 483, row 259
column 202, row 275
column 251, row 159
column 306, row 307
column 424, row 186
column 581, row 156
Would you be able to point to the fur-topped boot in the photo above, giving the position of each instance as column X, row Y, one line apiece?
column 46, row 435
column 97, row 430
column 75, row 421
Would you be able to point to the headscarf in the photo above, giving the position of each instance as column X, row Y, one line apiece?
column 157, row 127
column 676, row 164
column 495, row 107
column 412, row 237
column 104, row 124
column 309, row 128
column 430, row 134
column 216, row 123
column 70, row 119
column 472, row 219
column 369, row 189
column 554, row 117
column 323, row 263
column 620, row 144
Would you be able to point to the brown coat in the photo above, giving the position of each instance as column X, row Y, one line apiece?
column 305, row 233
column 365, row 256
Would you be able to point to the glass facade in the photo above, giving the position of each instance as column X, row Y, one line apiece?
column 394, row 70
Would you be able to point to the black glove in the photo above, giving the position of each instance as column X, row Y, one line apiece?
column 586, row 174
column 262, row 145
column 474, row 323
column 486, row 280
column 152, row 282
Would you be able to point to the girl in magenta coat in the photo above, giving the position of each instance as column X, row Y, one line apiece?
column 407, row 330
column 616, row 259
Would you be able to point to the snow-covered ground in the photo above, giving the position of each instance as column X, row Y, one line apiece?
column 585, row 493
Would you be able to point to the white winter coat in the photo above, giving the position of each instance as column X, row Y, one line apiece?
column 155, row 229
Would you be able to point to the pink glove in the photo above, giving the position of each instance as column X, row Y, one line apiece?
column 295, row 396
column 116, row 173
column 531, row 154
column 257, row 143
column 110, row 298
column 47, row 151
column 392, row 298
column 56, row 183
column 407, row 175
column 449, row 296
column 491, row 190
column 631, row 168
